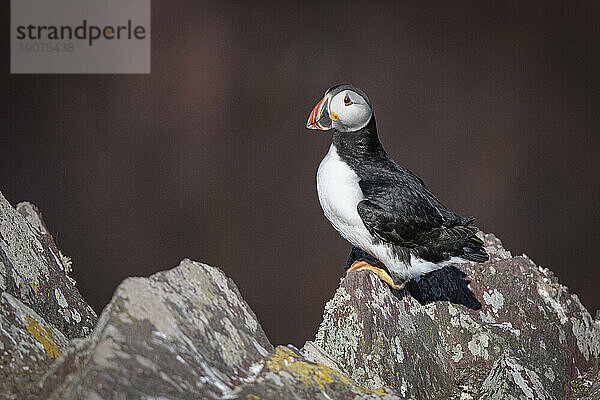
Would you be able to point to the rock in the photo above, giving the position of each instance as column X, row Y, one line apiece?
column 31, row 269
column 381, row 341
column 289, row 373
column 187, row 333
column 502, row 329
column 510, row 380
column 511, row 328
column 34, row 216
column 28, row 345
column 587, row 385
column 179, row 334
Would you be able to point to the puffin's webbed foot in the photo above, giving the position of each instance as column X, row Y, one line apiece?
column 361, row 265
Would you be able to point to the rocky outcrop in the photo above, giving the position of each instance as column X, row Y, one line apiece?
column 187, row 333
column 505, row 326
column 503, row 329
column 33, row 271
column 40, row 307
column 28, row 345
column 182, row 333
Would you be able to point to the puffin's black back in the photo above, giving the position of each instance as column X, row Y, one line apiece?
column 399, row 208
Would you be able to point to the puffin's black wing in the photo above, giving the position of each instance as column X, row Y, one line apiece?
column 401, row 210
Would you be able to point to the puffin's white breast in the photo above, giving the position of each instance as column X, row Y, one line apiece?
column 339, row 194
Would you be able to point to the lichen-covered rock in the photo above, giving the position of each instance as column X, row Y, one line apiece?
column 511, row 325
column 505, row 329
column 31, row 270
column 33, row 215
column 509, row 380
column 381, row 341
column 187, row 333
column 288, row 373
column 28, row 345
column 588, row 388
column 183, row 333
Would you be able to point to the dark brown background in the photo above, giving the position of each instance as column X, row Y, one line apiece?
column 494, row 104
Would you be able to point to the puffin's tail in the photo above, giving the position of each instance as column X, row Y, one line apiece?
column 473, row 250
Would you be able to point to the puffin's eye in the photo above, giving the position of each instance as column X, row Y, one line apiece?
column 347, row 100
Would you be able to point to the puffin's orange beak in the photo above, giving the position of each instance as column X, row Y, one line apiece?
column 319, row 117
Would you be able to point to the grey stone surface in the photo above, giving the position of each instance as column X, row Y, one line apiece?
column 289, row 373
column 504, row 329
column 32, row 270
column 28, row 345
column 505, row 326
column 587, row 385
column 178, row 334
column 187, row 333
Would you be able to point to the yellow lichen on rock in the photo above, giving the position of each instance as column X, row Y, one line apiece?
column 44, row 336
column 310, row 373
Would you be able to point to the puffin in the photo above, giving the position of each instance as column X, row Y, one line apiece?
column 380, row 206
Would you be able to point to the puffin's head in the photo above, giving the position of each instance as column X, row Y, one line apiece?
column 344, row 108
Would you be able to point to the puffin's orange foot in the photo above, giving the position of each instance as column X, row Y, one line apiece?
column 361, row 265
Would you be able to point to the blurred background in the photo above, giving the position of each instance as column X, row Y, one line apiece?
column 493, row 104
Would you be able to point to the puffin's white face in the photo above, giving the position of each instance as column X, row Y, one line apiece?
column 349, row 112
column 341, row 108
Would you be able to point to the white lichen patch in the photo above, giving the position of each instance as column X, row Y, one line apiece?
column 340, row 299
column 399, row 351
column 457, row 353
column 359, row 293
column 550, row 375
column 556, row 306
column 430, row 310
column 495, row 299
column 60, row 298
column 452, row 310
column 542, row 345
column 544, row 271
column 404, row 320
column 253, row 370
column 487, row 317
column 75, row 315
column 508, row 327
column 478, row 345
column 64, row 312
column 368, row 360
column 587, row 336
column 464, row 321
column 403, row 388
column 532, row 386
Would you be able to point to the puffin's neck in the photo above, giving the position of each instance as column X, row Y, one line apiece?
column 359, row 146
